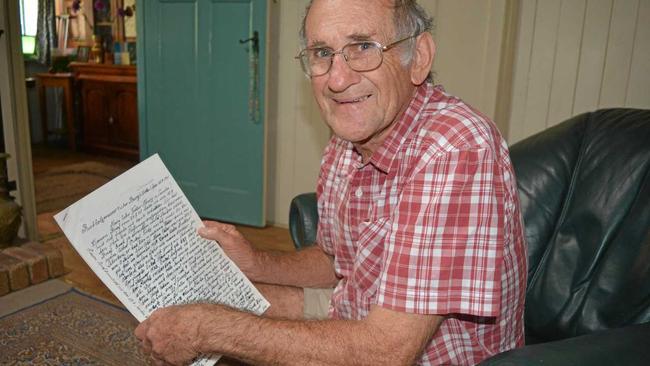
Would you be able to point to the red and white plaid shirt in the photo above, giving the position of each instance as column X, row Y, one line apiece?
column 430, row 225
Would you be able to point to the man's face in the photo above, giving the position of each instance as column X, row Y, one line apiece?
column 358, row 106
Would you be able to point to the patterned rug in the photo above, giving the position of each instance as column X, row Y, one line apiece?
column 70, row 329
column 58, row 188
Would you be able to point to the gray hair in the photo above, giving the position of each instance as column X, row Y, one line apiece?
column 409, row 19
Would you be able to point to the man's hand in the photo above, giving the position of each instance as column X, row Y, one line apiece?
column 235, row 245
column 171, row 335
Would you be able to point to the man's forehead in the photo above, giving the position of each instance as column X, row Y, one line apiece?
column 348, row 19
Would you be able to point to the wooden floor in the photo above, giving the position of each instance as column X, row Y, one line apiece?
column 78, row 274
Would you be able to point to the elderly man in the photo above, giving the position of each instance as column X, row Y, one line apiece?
column 420, row 232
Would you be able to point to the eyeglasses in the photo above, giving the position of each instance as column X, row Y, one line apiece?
column 360, row 56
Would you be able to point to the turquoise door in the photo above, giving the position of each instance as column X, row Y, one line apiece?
column 201, row 101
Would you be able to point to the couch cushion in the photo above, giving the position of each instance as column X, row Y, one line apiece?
column 584, row 187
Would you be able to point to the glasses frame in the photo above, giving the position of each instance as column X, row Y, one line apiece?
column 380, row 47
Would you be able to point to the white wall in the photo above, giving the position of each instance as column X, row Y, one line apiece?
column 468, row 35
column 575, row 56
column 469, row 38
column 297, row 134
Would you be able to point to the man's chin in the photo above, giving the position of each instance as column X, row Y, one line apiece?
column 354, row 137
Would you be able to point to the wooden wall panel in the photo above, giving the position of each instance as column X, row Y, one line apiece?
column 597, row 56
column 522, row 69
column 618, row 60
column 468, row 36
column 638, row 92
column 592, row 55
column 545, row 35
column 297, row 135
column 565, row 68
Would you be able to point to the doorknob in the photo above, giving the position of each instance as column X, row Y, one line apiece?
column 256, row 42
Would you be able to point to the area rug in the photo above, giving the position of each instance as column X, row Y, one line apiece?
column 72, row 328
column 58, row 188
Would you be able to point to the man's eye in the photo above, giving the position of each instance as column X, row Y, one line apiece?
column 364, row 46
column 322, row 52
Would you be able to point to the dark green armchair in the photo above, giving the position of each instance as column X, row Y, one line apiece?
column 584, row 187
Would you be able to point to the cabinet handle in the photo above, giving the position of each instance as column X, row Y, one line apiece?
column 110, row 120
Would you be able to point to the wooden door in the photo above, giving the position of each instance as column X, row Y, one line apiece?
column 124, row 126
column 201, row 88
column 96, row 100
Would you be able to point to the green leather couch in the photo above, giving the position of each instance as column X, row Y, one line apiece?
column 584, row 187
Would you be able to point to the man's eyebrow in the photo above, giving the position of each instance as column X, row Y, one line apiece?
column 355, row 37
column 361, row 37
column 317, row 44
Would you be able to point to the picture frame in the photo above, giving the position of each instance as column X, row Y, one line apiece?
column 133, row 54
column 83, row 53
column 128, row 20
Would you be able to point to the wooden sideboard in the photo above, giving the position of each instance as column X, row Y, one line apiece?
column 109, row 108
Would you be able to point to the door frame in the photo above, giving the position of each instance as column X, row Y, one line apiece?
column 15, row 117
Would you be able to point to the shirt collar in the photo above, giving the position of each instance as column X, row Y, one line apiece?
column 383, row 157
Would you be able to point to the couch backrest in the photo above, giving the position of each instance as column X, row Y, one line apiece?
column 584, row 187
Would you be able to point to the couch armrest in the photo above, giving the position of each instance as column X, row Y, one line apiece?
column 622, row 346
column 303, row 220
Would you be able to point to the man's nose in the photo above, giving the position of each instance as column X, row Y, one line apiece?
column 341, row 76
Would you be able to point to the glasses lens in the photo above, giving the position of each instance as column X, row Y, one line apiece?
column 316, row 61
column 363, row 56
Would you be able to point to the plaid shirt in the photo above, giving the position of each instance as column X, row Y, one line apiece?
column 431, row 225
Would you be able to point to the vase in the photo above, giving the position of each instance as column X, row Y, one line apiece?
column 97, row 51
column 9, row 210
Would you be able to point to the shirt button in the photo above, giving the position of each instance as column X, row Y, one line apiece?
column 359, row 192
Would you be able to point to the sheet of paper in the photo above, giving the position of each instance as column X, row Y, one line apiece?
column 138, row 233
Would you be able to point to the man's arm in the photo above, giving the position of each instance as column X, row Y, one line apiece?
column 180, row 333
column 310, row 267
column 280, row 277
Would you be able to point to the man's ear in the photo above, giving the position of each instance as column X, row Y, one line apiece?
column 425, row 50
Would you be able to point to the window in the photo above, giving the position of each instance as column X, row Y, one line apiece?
column 28, row 20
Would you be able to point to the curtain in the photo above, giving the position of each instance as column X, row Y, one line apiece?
column 46, row 39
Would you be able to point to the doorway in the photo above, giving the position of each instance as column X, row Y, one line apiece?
column 108, row 142
column 63, row 171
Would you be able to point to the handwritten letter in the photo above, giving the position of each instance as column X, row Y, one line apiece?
column 138, row 234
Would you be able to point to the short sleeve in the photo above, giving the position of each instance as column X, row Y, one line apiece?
column 444, row 250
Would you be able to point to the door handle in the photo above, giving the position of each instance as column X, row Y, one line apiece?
column 110, row 120
column 256, row 42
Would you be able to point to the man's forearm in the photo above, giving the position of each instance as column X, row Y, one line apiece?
column 287, row 302
column 261, row 340
column 310, row 267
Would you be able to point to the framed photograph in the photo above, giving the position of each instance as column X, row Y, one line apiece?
column 133, row 54
column 82, row 53
column 129, row 20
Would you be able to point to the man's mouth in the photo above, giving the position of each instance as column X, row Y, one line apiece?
column 352, row 100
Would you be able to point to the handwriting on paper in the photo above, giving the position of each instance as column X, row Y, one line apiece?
column 139, row 234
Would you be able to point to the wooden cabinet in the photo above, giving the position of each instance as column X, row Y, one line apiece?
column 109, row 112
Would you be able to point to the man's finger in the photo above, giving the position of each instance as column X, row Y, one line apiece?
column 214, row 233
column 145, row 345
column 211, row 223
column 141, row 330
column 157, row 361
column 220, row 225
